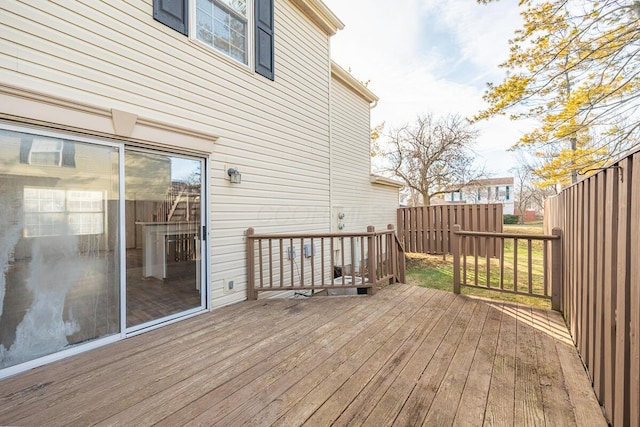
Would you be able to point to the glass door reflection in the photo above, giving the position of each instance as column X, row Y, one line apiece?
column 163, row 237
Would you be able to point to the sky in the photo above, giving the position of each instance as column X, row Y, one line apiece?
column 432, row 56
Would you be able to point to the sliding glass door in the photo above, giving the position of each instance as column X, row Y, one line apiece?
column 97, row 240
column 163, row 205
column 59, row 246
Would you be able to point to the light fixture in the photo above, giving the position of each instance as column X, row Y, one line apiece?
column 235, row 177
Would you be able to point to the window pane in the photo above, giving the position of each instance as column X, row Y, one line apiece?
column 239, row 6
column 238, row 54
column 204, row 29
column 163, row 226
column 221, row 15
column 44, row 224
column 45, row 159
column 86, row 223
column 46, row 151
column 43, row 200
column 84, row 201
column 58, row 249
column 222, row 24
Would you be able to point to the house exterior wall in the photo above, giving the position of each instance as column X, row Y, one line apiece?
column 352, row 192
column 113, row 56
column 490, row 192
column 106, row 74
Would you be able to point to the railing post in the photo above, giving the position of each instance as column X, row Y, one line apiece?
column 371, row 260
column 556, row 270
column 455, row 252
column 392, row 254
column 251, row 272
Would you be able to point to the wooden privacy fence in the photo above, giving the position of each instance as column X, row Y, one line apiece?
column 289, row 262
column 427, row 229
column 600, row 219
column 537, row 272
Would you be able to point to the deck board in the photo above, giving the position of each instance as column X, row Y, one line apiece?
column 406, row 355
column 528, row 393
column 355, row 400
column 473, row 400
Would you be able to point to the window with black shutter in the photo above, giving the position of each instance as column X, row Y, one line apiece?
column 224, row 25
column 41, row 151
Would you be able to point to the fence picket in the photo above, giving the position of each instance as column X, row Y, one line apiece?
column 610, row 262
column 428, row 229
column 634, row 298
column 598, row 268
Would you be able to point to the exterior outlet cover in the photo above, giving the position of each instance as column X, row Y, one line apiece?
column 309, row 250
column 228, row 285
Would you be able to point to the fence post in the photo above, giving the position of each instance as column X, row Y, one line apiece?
column 251, row 268
column 455, row 252
column 401, row 224
column 556, row 270
column 371, row 260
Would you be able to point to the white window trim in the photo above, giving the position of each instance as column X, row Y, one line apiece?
column 249, row 66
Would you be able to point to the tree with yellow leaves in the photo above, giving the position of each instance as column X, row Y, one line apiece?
column 575, row 67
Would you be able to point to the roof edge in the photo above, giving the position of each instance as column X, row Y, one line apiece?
column 321, row 15
column 381, row 180
column 345, row 77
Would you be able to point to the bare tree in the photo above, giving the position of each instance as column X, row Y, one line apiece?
column 529, row 195
column 433, row 155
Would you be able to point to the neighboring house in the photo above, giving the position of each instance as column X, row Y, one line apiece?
column 528, row 215
column 483, row 191
column 138, row 142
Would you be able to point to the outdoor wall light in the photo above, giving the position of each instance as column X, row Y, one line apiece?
column 235, row 177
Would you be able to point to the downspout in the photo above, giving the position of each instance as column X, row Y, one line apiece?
column 373, row 105
column 330, row 110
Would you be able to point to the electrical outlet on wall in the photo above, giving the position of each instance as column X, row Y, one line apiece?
column 291, row 252
column 228, row 284
column 309, row 250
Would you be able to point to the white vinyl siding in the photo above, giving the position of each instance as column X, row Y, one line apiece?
column 362, row 202
column 115, row 55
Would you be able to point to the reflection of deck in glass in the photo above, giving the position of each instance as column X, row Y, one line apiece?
column 91, row 304
column 150, row 298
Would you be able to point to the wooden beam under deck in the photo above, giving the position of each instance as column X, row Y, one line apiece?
column 407, row 355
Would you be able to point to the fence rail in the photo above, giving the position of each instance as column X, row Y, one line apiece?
column 600, row 218
column 427, row 229
column 490, row 274
column 323, row 261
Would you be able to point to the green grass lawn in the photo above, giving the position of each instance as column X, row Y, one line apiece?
column 434, row 272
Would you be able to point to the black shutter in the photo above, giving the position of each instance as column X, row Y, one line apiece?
column 25, row 149
column 264, row 38
column 172, row 13
column 69, row 154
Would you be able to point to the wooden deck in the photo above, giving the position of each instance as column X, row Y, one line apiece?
column 406, row 356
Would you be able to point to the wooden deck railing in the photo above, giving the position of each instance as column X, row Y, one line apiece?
column 544, row 281
column 323, row 261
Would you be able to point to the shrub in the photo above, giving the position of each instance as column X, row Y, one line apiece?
column 510, row 219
